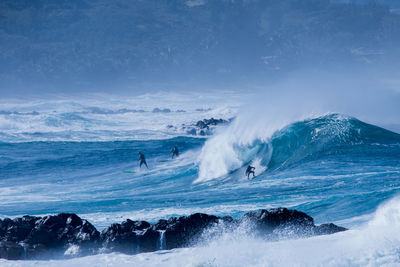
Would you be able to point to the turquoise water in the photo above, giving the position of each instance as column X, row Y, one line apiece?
column 334, row 168
column 81, row 156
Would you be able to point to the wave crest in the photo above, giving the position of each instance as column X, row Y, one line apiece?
column 240, row 144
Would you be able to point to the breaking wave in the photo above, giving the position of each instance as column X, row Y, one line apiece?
column 240, row 144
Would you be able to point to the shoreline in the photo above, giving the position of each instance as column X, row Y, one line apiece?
column 66, row 235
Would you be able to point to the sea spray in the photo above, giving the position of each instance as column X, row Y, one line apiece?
column 231, row 150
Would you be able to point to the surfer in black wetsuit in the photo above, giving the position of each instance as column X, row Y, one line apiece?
column 142, row 160
column 250, row 169
column 174, row 152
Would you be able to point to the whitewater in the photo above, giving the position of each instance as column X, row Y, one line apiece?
column 72, row 155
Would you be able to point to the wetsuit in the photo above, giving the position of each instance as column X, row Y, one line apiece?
column 250, row 170
column 175, row 152
column 142, row 160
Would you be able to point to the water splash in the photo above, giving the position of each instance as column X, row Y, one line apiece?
column 275, row 149
column 162, row 242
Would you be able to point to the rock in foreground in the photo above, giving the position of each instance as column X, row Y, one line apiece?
column 66, row 235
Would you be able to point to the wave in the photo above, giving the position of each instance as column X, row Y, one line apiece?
column 329, row 134
column 374, row 244
column 143, row 117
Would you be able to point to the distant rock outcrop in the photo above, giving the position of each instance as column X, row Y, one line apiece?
column 204, row 127
column 66, row 235
column 164, row 110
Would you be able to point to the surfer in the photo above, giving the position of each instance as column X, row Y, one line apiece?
column 142, row 160
column 250, row 169
column 174, row 152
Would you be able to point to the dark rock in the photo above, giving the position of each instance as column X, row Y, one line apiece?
column 118, row 238
column 213, row 121
column 19, row 229
column 97, row 110
column 62, row 229
column 205, row 127
column 136, row 225
column 165, row 110
column 50, row 233
column 328, row 228
column 51, row 236
column 203, row 109
column 124, row 237
column 202, row 125
column 16, row 230
column 41, row 252
column 161, row 225
column 228, row 219
column 269, row 220
column 4, row 224
column 149, row 240
column 180, row 232
column 125, row 110
column 11, row 251
column 206, row 123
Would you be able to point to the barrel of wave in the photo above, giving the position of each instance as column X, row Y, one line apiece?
column 237, row 145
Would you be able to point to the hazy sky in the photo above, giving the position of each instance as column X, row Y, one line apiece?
column 132, row 47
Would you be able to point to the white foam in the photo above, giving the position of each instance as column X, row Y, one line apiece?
column 72, row 250
column 376, row 243
column 73, row 119
column 221, row 153
column 105, row 219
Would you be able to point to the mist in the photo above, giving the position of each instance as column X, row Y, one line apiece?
column 302, row 96
column 368, row 96
column 113, row 112
column 133, row 47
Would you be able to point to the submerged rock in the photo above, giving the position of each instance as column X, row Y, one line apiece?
column 67, row 235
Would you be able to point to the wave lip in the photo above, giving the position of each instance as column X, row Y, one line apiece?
column 229, row 151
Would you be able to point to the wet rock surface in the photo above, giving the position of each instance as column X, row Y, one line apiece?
column 67, row 235
column 49, row 236
column 204, row 127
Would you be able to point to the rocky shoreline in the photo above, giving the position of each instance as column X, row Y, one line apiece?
column 67, row 235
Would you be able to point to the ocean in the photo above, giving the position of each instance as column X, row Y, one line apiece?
column 80, row 155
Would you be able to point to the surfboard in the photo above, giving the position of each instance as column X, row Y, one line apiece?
column 251, row 177
column 129, row 171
